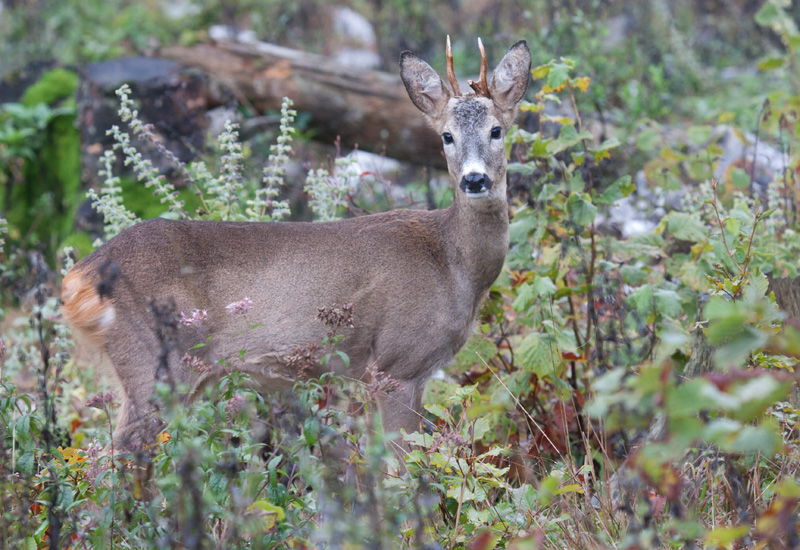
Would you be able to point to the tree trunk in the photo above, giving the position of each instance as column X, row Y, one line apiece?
column 787, row 296
column 370, row 108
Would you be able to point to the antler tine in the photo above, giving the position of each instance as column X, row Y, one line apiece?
column 451, row 74
column 481, row 87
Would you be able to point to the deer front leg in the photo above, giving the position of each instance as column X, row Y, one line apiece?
column 400, row 409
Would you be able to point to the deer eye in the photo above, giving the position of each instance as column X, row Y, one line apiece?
column 447, row 137
column 496, row 132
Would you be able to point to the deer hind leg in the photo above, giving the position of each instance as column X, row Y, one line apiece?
column 135, row 362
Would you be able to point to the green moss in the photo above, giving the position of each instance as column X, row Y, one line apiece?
column 54, row 85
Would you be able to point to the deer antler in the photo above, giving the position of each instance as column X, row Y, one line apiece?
column 451, row 74
column 481, row 87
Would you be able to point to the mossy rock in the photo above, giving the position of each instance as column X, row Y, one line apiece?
column 53, row 85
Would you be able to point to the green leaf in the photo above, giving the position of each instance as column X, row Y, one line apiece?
column 418, row 439
column 756, row 395
column 580, row 210
column 440, row 412
column 268, row 514
column 633, row 275
column 523, row 169
column 526, row 296
column 767, row 15
column 699, row 135
column 311, row 430
column 558, row 75
column 621, row 188
column 668, row 302
column 540, row 72
column 481, row 428
column 535, row 354
column 725, row 536
column 523, row 224
column 687, row 399
column 568, row 137
column 572, row 488
column 648, row 139
column 543, row 287
column 686, row 227
column 218, row 483
column 770, row 63
column 25, row 464
column 642, row 298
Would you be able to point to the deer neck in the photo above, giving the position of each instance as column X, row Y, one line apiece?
column 479, row 230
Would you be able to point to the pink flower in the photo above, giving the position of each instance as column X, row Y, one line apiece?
column 234, row 406
column 103, row 401
column 197, row 318
column 240, row 307
column 196, row 363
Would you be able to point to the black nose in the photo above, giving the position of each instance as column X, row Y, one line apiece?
column 475, row 183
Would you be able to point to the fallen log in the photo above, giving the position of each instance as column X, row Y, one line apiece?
column 370, row 108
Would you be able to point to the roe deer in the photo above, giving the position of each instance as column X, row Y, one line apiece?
column 416, row 278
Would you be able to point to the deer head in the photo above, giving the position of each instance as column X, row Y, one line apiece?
column 472, row 124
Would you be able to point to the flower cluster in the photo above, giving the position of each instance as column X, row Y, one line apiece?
column 196, row 363
column 234, row 406
column 379, row 382
column 242, row 306
column 196, row 319
column 103, row 401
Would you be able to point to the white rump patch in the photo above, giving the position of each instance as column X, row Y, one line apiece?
column 108, row 316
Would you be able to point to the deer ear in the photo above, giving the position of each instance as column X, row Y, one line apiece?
column 510, row 78
column 424, row 85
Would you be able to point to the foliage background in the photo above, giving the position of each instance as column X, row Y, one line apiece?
column 629, row 386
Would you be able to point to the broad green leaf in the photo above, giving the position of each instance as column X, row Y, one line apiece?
column 523, row 224
column 25, row 464
column 440, row 412
column 642, row 298
column 756, row 394
column 535, row 355
column 524, row 169
column 268, row 514
column 526, row 296
column 481, row 428
column 668, row 302
column 648, row 140
column 568, row 137
column 580, row 210
column 621, row 188
column 417, row 438
column 543, row 287
column 540, row 72
column 558, row 75
column 687, row 227
column 687, row 399
column 634, row 275
column 699, row 135
column 767, row 15
column 725, row 536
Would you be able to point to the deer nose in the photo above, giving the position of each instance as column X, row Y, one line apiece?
column 475, row 182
